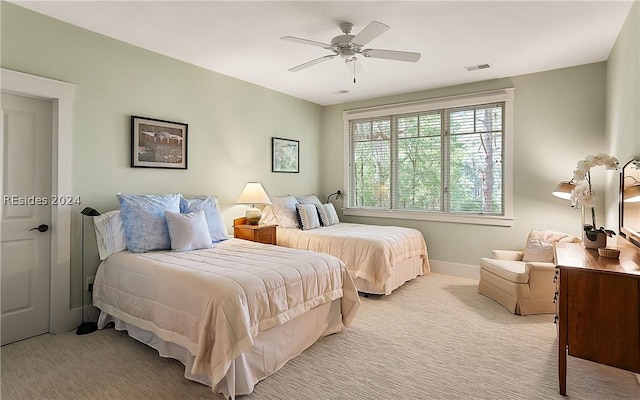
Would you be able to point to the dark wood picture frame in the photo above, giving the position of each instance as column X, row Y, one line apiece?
column 157, row 143
column 285, row 155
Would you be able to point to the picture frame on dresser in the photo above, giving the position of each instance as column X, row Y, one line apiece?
column 157, row 143
column 285, row 155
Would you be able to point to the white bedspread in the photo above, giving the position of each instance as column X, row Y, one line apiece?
column 369, row 251
column 214, row 302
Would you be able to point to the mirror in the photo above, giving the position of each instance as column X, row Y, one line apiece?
column 629, row 200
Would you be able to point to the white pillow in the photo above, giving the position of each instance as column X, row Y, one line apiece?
column 285, row 211
column 308, row 216
column 310, row 199
column 268, row 216
column 328, row 214
column 109, row 233
column 539, row 246
column 188, row 231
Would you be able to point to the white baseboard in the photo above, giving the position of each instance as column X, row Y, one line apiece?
column 455, row 269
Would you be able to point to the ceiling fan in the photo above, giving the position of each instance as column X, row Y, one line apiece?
column 349, row 46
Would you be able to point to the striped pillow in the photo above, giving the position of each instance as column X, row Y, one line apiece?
column 328, row 214
column 308, row 216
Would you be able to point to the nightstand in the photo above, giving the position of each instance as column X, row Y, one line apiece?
column 256, row 233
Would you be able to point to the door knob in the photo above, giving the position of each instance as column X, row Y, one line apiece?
column 40, row 228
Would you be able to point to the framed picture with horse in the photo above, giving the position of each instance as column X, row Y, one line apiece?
column 157, row 143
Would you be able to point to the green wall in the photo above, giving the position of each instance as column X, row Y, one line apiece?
column 559, row 118
column 231, row 122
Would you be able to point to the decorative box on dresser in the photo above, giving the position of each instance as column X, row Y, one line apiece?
column 598, row 307
column 256, row 233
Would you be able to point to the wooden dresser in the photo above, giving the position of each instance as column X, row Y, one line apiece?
column 599, row 307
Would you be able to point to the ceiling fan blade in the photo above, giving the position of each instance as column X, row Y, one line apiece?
column 391, row 55
column 312, row 62
column 370, row 32
column 306, row 41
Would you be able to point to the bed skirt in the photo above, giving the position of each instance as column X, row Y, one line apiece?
column 403, row 271
column 271, row 349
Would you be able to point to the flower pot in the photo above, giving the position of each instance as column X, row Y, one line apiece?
column 599, row 242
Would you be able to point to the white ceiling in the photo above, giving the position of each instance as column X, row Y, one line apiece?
column 242, row 39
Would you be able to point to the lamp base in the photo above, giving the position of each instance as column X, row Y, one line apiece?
column 86, row 327
column 252, row 216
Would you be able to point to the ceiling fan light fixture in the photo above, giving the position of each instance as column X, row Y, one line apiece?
column 348, row 46
column 347, row 53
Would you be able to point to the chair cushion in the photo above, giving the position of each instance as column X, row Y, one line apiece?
column 539, row 246
column 513, row 271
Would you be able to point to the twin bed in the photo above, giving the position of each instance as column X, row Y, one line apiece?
column 232, row 314
column 234, row 311
column 379, row 258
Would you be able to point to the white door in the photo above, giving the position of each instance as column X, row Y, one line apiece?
column 26, row 204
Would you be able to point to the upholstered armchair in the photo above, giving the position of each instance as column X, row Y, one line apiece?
column 522, row 281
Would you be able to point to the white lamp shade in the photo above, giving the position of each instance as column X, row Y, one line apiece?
column 631, row 194
column 253, row 193
column 563, row 190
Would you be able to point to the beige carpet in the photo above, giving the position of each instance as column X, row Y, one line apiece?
column 434, row 338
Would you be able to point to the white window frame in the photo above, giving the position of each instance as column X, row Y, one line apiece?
column 502, row 95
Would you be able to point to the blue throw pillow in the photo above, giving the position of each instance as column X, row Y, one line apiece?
column 145, row 226
column 209, row 204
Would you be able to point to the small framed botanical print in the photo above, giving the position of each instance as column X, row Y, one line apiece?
column 285, row 155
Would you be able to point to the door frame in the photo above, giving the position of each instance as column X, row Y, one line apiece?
column 61, row 317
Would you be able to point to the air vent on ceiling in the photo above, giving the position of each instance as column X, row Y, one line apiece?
column 477, row 67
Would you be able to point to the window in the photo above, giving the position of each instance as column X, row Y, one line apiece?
column 444, row 159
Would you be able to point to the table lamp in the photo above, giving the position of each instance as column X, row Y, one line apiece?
column 563, row 190
column 253, row 194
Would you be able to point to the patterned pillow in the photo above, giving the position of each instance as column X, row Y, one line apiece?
column 145, row 226
column 308, row 216
column 188, row 231
column 539, row 246
column 285, row 211
column 328, row 214
column 109, row 233
column 208, row 204
column 310, row 199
